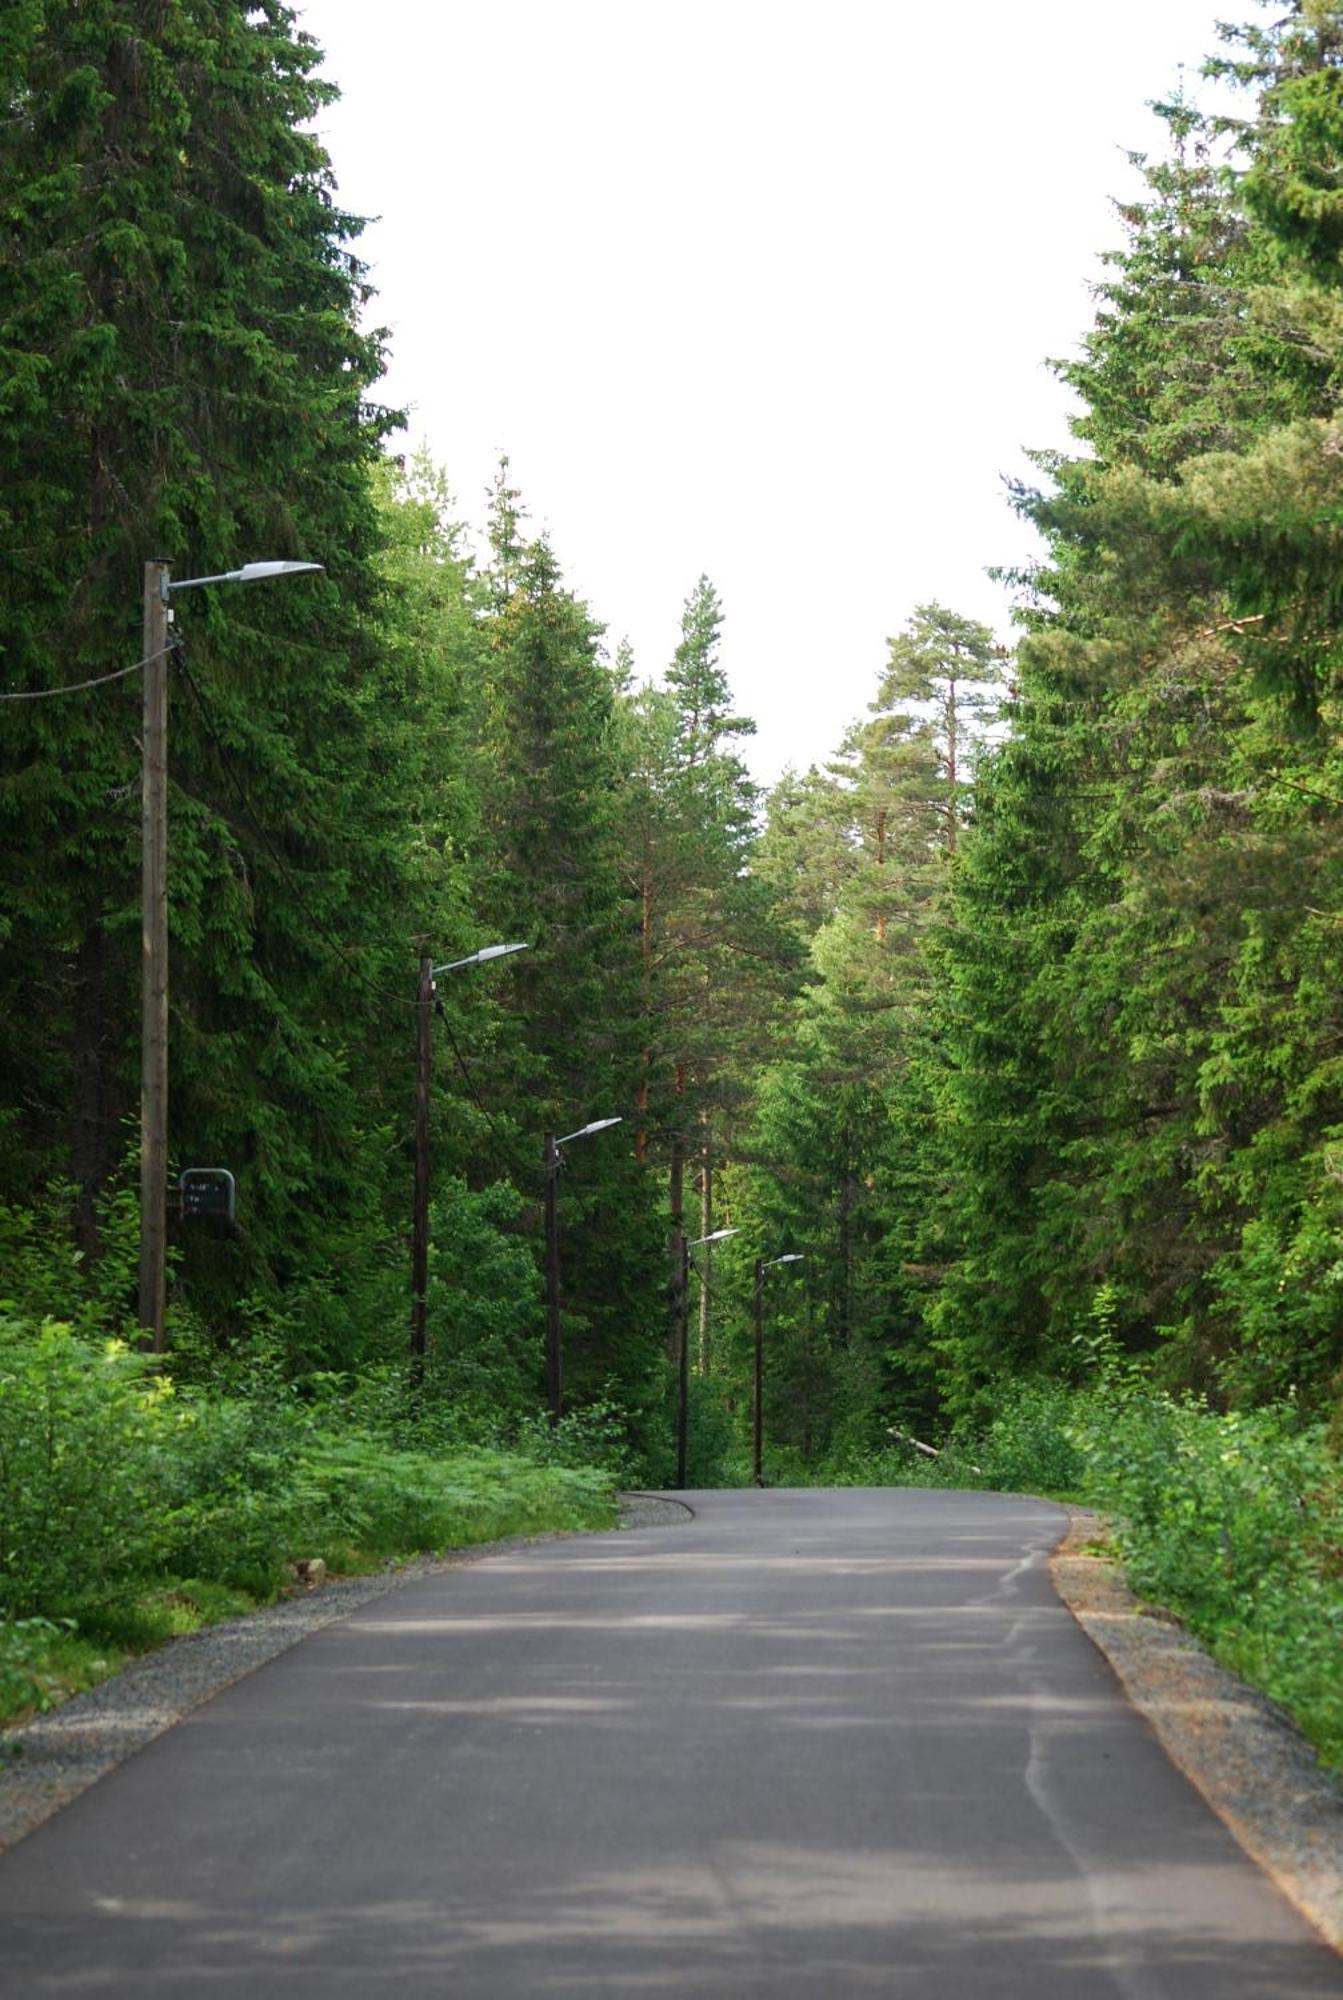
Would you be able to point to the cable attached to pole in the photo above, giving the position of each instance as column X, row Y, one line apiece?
column 78, row 687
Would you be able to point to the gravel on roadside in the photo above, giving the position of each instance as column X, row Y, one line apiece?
column 47, row 1762
column 1250, row 1762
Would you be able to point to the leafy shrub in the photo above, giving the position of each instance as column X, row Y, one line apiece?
column 27, row 1682
column 1030, row 1445
column 229, row 1474
column 593, row 1438
column 109, row 1480
column 1235, row 1524
column 387, row 1502
column 79, row 1513
column 45, row 1276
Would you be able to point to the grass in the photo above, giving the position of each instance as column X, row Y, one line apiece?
column 374, row 1507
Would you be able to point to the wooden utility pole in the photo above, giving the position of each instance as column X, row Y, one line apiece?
column 758, row 1399
column 154, row 961
column 677, row 1293
column 675, row 1202
column 554, row 1359
column 419, row 1238
column 682, row 1284
column 705, row 1230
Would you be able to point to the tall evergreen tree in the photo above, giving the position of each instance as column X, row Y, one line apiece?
column 1122, row 1107
column 569, row 1051
column 185, row 376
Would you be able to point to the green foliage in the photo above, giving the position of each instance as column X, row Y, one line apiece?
column 484, row 1309
column 1140, row 980
column 1028, row 1443
column 78, row 1516
column 231, row 1482
column 1234, row 1523
column 110, row 1482
column 45, row 1275
column 357, row 1495
column 42, row 1662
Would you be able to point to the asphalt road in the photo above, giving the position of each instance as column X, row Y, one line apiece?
column 808, row 1744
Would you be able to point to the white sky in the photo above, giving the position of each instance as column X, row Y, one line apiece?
column 762, row 288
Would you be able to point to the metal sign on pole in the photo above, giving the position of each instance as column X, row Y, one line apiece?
column 208, row 1193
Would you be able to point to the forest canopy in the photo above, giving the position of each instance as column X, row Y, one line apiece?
column 1017, row 1022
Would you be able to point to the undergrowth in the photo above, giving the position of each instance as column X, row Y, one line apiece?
column 130, row 1512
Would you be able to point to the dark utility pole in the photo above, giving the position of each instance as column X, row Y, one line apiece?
column 763, row 1264
column 554, row 1372
column 154, row 925
column 681, row 1281
column 419, row 1239
column 554, row 1360
column 677, row 1287
column 154, row 960
column 758, row 1324
column 419, row 1221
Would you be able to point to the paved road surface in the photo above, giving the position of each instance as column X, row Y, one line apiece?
column 809, row 1744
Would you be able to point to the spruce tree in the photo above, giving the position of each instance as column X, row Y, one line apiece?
column 568, row 1051
column 186, row 377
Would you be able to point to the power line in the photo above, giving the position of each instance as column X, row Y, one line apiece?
column 78, row 687
column 466, row 1074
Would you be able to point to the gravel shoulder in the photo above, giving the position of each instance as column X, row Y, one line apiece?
column 47, row 1762
column 1253, row 1767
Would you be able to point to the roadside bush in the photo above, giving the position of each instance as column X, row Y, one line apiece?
column 44, row 1276
column 79, row 1509
column 27, row 1684
column 383, row 1502
column 1234, row 1523
column 110, row 1481
column 593, row 1438
column 1030, row 1445
column 229, row 1473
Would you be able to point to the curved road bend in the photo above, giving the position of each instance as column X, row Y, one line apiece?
column 809, row 1744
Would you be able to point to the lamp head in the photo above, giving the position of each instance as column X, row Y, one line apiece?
column 253, row 572
column 487, row 951
column 597, row 1125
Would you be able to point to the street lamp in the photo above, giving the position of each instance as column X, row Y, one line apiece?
column 480, row 957
column 419, row 1227
column 763, row 1264
column 683, row 1345
column 159, row 588
column 554, row 1353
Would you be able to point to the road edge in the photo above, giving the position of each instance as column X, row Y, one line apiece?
column 1235, row 1746
column 50, row 1761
